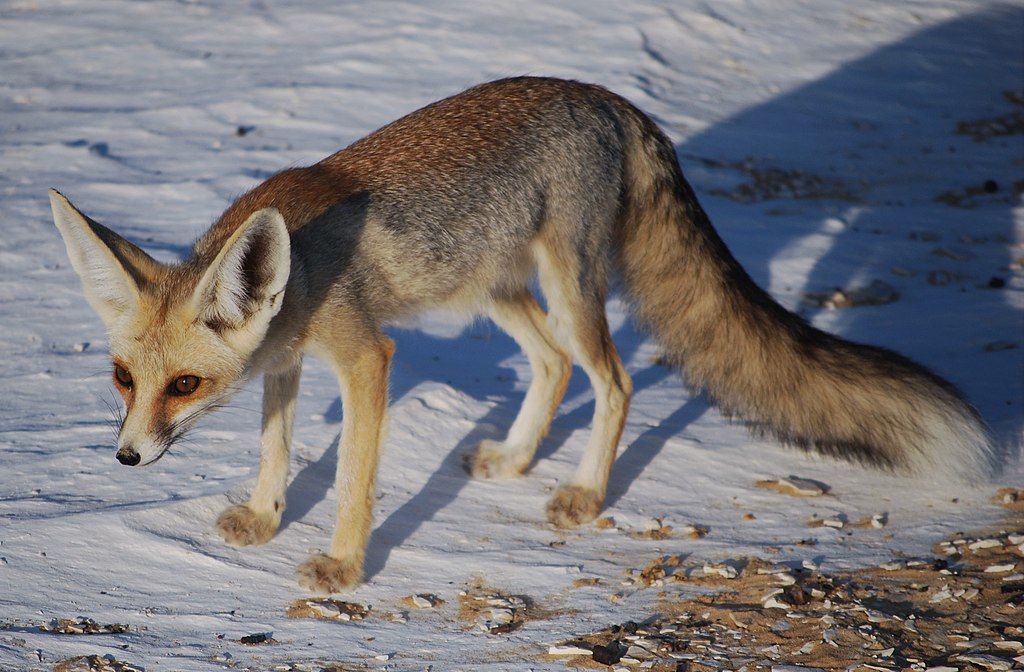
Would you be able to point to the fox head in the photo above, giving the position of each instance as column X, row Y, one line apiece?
column 180, row 335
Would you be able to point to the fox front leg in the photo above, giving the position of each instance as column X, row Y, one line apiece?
column 256, row 521
column 363, row 376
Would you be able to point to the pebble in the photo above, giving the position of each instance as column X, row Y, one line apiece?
column 1011, row 645
column 724, row 571
column 942, row 668
column 948, row 548
column 499, row 615
column 769, row 602
column 325, row 609
column 423, row 601
column 1001, row 569
column 985, row 543
column 802, row 487
column 985, row 660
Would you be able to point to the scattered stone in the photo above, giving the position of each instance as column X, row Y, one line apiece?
column 95, row 664
column 794, row 486
column 257, row 638
column 985, row 543
column 1001, row 568
column 422, row 601
column 82, row 626
column 328, row 609
column 609, row 654
column 654, row 529
column 492, row 611
column 795, row 619
column 724, row 571
column 986, row 661
column 697, row 531
column 1011, row 498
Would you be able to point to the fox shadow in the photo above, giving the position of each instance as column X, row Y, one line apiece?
column 900, row 101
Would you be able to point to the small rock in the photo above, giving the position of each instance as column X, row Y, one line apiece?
column 325, row 609
column 1011, row 645
column 724, row 571
column 423, row 601
column 608, row 654
column 794, row 486
column 256, row 638
column 985, row 543
column 499, row 615
column 1001, row 568
column 985, row 660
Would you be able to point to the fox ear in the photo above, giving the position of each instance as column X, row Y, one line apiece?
column 246, row 280
column 111, row 268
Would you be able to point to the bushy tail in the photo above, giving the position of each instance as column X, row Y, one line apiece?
column 761, row 362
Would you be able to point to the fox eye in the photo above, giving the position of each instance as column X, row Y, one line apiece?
column 123, row 377
column 185, row 385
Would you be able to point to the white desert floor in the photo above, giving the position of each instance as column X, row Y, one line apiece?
column 835, row 145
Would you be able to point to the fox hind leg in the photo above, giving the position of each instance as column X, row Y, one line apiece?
column 524, row 320
column 256, row 521
column 578, row 314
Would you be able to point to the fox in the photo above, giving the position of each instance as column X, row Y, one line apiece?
column 471, row 204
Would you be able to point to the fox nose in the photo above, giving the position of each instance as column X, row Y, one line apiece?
column 128, row 456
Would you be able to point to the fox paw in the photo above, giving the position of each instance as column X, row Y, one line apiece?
column 573, row 506
column 241, row 526
column 324, row 575
column 491, row 460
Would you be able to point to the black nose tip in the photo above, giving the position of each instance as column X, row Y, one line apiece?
column 128, row 456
